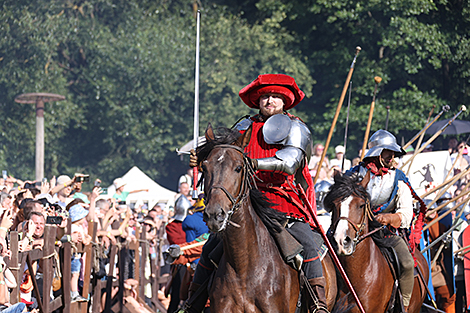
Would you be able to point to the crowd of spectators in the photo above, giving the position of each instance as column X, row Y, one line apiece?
column 27, row 207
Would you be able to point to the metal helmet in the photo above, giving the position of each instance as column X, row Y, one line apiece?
column 383, row 140
column 182, row 205
column 466, row 210
column 321, row 189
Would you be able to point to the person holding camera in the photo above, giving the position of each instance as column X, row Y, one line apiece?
column 63, row 190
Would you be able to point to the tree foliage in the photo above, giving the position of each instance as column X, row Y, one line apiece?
column 126, row 69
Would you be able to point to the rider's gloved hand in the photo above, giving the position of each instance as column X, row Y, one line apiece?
column 193, row 158
column 174, row 251
column 392, row 219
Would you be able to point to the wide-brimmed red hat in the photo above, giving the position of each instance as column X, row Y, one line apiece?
column 272, row 83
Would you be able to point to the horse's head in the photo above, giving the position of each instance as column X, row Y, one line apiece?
column 348, row 201
column 224, row 168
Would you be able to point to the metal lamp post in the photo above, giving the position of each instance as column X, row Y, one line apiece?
column 39, row 99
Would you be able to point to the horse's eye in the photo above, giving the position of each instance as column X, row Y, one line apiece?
column 238, row 169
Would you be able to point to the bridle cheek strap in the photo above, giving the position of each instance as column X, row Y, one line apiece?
column 359, row 228
column 248, row 172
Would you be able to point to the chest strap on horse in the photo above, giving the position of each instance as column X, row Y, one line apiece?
column 198, row 300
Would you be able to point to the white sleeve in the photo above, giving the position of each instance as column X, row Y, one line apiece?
column 405, row 204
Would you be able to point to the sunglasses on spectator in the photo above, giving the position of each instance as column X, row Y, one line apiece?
column 151, row 226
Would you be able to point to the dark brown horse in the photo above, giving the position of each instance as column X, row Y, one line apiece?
column 251, row 276
column 361, row 258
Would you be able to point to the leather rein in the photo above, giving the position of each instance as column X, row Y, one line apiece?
column 247, row 182
column 359, row 228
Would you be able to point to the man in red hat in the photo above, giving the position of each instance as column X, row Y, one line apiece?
column 279, row 148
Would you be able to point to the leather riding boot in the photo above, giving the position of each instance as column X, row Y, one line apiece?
column 318, row 286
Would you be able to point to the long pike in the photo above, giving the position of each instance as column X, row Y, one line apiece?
column 196, row 105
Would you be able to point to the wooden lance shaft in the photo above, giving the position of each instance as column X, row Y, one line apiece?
column 444, row 109
column 335, row 118
column 377, row 80
column 462, row 249
column 443, row 191
column 420, row 140
column 457, row 159
column 194, row 245
column 430, row 212
column 463, row 108
column 388, row 116
column 448, row 182
column 447, row 212
column 459, row 156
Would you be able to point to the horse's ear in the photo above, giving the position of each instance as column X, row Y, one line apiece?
column 244, row 139
column 209, row 133
column 365, row 180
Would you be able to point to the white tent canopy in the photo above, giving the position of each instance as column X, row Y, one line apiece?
column 135, row 179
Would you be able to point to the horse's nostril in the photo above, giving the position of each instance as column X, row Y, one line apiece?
column 220, row 216
column 347, row 241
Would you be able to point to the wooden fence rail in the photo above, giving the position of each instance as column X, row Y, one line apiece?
column 92, row 286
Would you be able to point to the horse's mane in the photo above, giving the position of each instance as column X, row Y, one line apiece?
column 261, row 204
column 223, row 136
column 344, row 186
column 264, row 208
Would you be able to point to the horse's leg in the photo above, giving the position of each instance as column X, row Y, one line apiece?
column 419, row 289
column 329, row 273
column 225, row 293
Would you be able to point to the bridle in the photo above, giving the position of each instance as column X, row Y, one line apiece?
column 247, row 182
column 359, row 228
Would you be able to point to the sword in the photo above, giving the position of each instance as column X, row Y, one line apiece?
column 303, row 196
column 196, row 104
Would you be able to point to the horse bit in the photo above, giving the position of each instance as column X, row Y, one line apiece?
column 359, row 228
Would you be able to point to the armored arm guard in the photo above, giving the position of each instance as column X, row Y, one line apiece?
column 295, row 138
